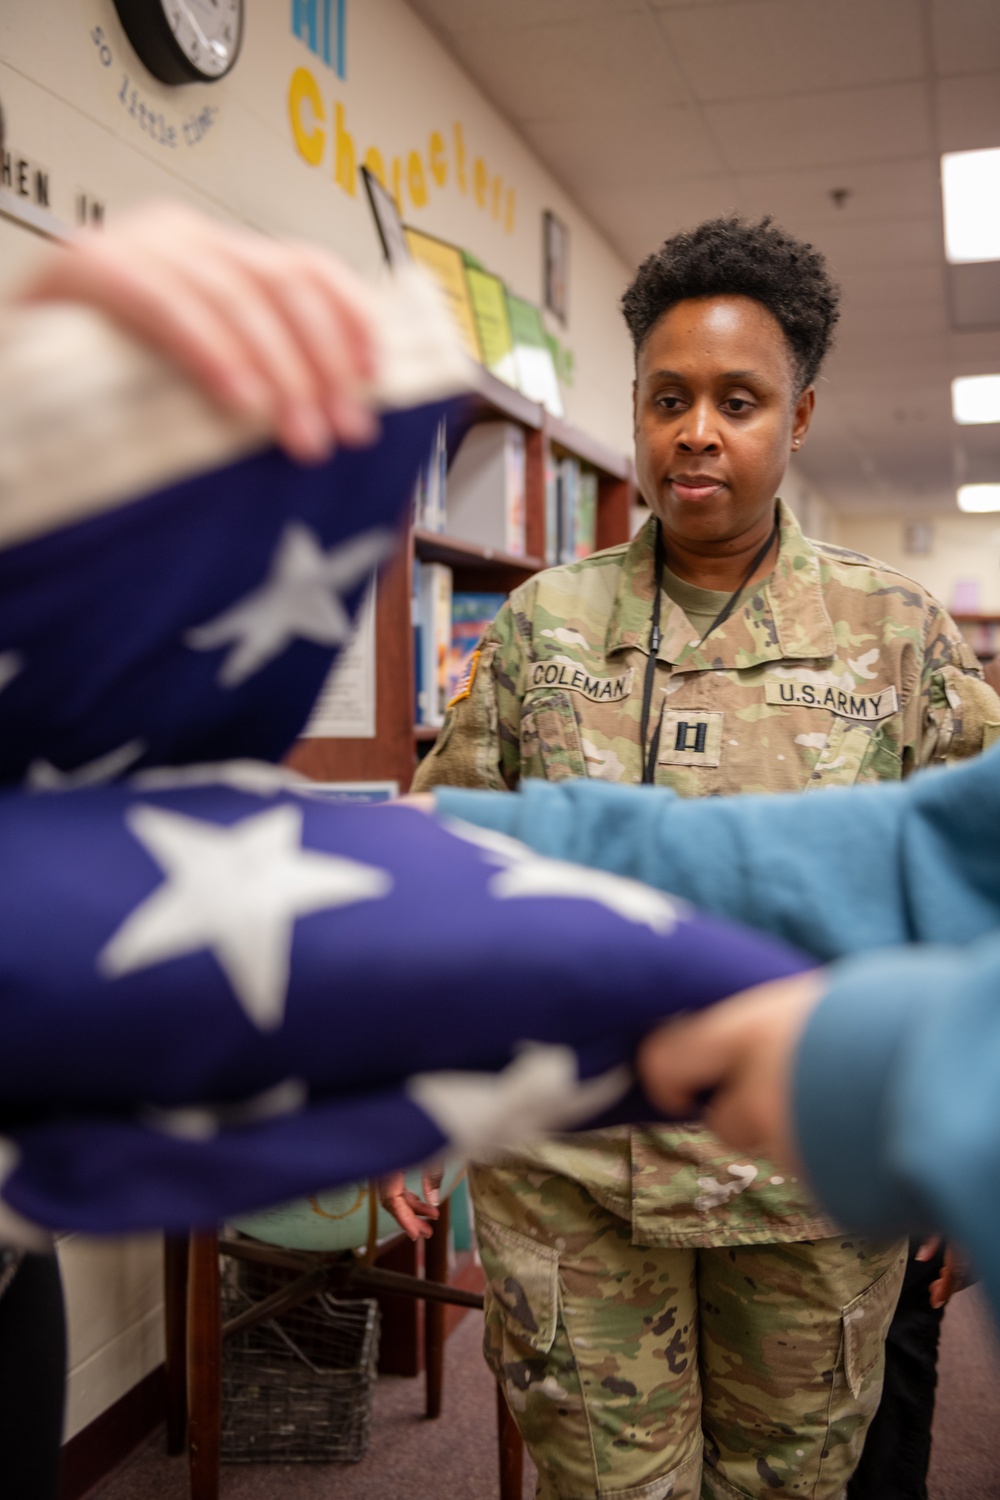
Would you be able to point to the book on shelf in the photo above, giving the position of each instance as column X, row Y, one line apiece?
column 431, row 486
column 471, row 613
column 568, row 484
column 570, row 510
column 551, row 508
column 585, row 529
column 486, row 489
column 434, row 590
column 982, row 635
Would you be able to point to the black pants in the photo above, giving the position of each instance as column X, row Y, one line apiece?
column 898, row 1445
column 32, row 1380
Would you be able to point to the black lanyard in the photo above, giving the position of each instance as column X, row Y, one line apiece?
column 650, row 755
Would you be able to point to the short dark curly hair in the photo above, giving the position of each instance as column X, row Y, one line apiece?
column 732, row 256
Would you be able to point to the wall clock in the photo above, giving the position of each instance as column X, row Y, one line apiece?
column 184, row 41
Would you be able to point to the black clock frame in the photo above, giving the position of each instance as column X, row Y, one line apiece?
column 148, row 30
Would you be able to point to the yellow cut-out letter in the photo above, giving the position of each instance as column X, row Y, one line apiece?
column 460, row 158
column 497, row 204
column 508, row 218
column 310, row 144
column 437, row 158
column 415, row 180
column 345, row 161
column 480, row 181
column 375, row 164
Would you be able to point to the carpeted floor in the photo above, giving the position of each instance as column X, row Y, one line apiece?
column 455, row 1458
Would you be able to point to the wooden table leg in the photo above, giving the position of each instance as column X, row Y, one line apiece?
column 511, row 1451
column 204, row 1366
column 436, row 1269
column 175, row 1285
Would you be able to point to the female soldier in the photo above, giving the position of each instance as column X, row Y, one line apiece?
column 657, row 1303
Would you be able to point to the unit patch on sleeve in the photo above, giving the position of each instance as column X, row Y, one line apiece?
column 464, row 688
column 868, row 707
column 573, row 679
column 691, row 737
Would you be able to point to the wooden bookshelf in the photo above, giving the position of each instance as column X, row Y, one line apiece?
column 392, row 755
column 982, row 631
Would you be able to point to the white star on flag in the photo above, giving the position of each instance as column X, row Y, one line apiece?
column 11, row 663
column 237, row 892
column 540, row 1091
column 301, row 599
column 525, row 874
column 551, row 877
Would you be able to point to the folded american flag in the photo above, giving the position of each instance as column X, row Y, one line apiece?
column 220, row 991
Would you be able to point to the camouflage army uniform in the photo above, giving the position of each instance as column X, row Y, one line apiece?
column 835, row 670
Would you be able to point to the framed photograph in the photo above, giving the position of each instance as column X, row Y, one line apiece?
column 555, row 242
column 387, row 220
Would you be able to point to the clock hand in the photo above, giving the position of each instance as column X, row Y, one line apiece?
column 212, row 46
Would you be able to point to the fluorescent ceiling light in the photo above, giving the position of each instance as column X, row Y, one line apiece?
column 976, row 398
column 979, row 497
column 970, row 183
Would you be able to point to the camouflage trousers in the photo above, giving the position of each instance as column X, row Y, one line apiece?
column 645, row 1372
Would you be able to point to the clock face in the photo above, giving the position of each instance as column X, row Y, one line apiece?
column 184, row 41
column 207, row 32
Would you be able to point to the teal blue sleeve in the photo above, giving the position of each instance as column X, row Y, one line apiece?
column 897, row 1096
column 835, row 872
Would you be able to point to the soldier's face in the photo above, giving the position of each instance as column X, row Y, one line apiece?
column 715, row 419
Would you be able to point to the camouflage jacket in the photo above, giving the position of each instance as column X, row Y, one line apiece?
column 834, row 670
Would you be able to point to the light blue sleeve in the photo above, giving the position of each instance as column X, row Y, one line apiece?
column 835, row 872
column 897, row 1096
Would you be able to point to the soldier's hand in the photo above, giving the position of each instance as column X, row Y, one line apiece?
column 741, row 1052
column 275, row 331
column 410, row 1211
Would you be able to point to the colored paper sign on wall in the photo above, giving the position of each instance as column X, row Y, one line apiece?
column 445, row 264
column 322, row 25
column 536, row 373
column 489, row 306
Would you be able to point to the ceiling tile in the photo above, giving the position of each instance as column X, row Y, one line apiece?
column 974, row 352
column 879, row 242
column 861, row 326
column 968, row 111
column 830, row 128
column 446, row 16
column 894, row 286
column 896, row 189
column 765, row 49
column 701, row 4
column 644, row 151
column 965, row 35
column 638, row 223
column 616, row 66
column 974, row 294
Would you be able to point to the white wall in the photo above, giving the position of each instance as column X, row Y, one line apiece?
column 814, row 512
column 963, row 547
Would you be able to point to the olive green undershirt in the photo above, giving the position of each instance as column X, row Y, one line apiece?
column 702, row 606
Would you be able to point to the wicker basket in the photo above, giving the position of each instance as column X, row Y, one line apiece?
column 297, row 1388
